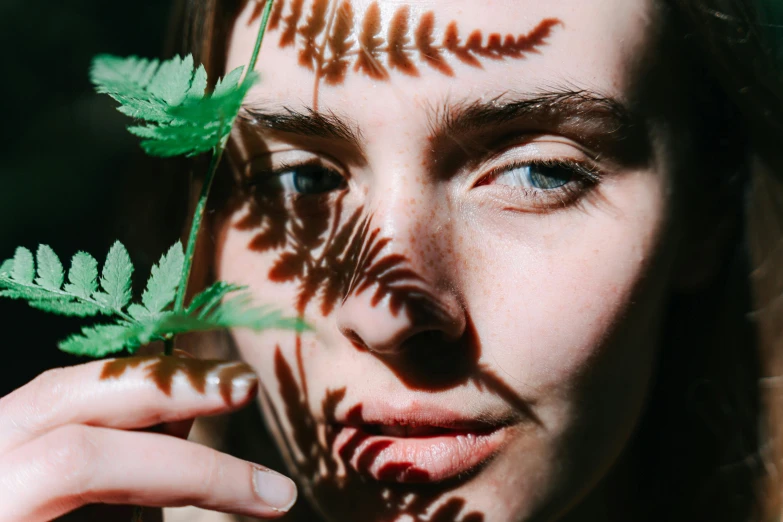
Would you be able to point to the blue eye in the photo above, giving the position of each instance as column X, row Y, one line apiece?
column 309, row 179
column 541, row 176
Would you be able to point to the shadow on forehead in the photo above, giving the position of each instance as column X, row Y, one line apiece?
column 332, row 39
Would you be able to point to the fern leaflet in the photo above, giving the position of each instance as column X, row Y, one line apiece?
column 151, row 320
column 169, row 97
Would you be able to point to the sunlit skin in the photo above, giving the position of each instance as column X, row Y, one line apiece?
column 553, row 284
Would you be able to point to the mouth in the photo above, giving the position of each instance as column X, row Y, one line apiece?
column 401, row 448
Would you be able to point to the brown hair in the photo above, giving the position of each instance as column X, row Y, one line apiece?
column 731, row 32
column 711, row 438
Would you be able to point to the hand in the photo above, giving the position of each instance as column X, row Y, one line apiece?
column 67, row 440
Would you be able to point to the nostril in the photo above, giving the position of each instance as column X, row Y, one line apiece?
column 428, row 344
column 428, row 338
column 355, row 338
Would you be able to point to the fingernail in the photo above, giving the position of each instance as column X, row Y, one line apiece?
column 243, row 385
column 275, row 490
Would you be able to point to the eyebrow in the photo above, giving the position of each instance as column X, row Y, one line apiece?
column 464, row 118
column 305, row 123
column 605, row 124
column 452, row 119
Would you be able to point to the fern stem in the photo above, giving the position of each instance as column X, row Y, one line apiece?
column 260, row 38
column 107, row 309
column 168, row 345
column 198, row 215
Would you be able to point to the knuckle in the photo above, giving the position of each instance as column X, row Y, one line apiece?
column 36, row 403
column 210, row 472
column 71, row 453
column 48, row 378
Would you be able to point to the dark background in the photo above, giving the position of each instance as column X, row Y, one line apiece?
column 67, row 165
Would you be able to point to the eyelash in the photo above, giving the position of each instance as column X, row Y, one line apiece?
column 262, row 177
column 586, row 177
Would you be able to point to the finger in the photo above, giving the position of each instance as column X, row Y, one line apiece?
column 180, row 429
column 77, row 465
column 129, row 393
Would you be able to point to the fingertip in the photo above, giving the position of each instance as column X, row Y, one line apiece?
column 273, row 489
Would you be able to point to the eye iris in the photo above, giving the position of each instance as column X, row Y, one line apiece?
column 538, row 176
column 548, row 177
column 314, row 179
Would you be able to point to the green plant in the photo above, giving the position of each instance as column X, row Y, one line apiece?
column 177, row 116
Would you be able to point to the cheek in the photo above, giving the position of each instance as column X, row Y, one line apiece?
column 551, row 294
column 237, row 261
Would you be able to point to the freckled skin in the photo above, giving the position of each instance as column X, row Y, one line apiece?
column 558, row 307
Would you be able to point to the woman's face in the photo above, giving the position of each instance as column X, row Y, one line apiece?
column 470, row 204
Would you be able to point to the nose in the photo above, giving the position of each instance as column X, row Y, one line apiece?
column 390, row 323
column 402, row 292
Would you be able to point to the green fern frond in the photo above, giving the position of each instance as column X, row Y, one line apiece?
column 83, row 275
column 104, row 339
column 234, row 313
column 116, row 279
column 169, row 97
column 50, row 270
column 66, row 306
column 80, row 297
column 199, row 125
column 239, row 312
column 6, row 267
column 208, row 299
column 39, row 281
column 146, row 89
column 163, row 281
column 18, row 281
column 176, row 116
column 23, row 271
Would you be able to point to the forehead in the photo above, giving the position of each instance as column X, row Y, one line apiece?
column 376, row 58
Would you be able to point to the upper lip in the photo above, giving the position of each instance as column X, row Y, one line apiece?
column 418, row 414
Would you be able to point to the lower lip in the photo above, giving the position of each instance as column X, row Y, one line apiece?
column 416, row 459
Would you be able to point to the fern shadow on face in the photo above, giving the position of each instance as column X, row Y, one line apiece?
column 339, row 490
column 332, row 253
column 333, row 39
column 330, row 249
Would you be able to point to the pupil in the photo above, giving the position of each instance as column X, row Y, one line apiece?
column 549, row 177
column 313, row 179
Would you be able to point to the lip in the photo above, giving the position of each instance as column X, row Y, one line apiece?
column 416, row 445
